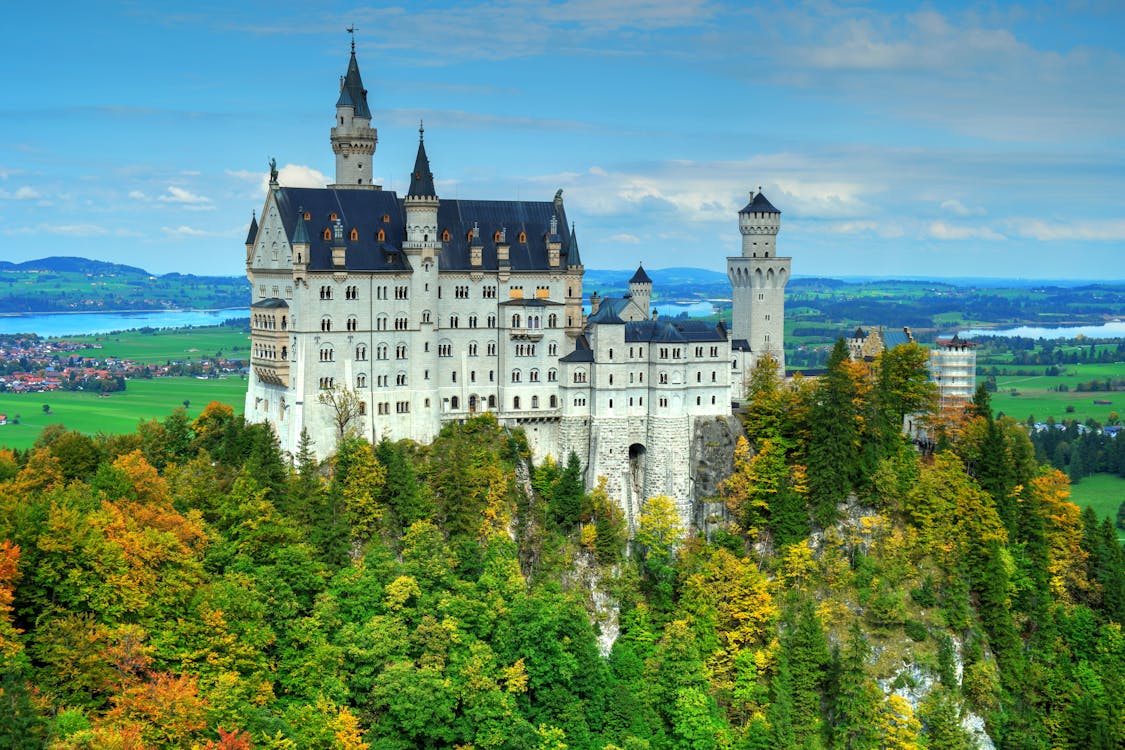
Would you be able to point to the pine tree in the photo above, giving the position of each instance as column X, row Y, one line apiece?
column 857, row 700
column 834, row 450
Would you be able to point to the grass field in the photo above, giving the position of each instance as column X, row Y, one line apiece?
column 169, row 344
column 1102, row 492
column 1037, row 397
column 119, row 413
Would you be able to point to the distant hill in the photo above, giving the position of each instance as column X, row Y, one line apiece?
column 72, row 264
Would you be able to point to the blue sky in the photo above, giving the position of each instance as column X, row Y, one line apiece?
column 896, row 138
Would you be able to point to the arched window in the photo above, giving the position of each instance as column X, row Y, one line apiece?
column 534, row 402
column 554, row 402
column 516, row 321
column 454, row 403
column 516, row 402
column 523, row 238
column 327, row 234
column 354, row 235
column 492, row 402
column 381, row 236
column 445, row 235
column 552, row 320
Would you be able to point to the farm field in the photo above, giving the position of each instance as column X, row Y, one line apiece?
column 1102, row 492
column 119, row 413
column 168, row 344
column 1036, row 394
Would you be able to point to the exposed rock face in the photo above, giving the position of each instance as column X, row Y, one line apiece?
column 711, row 461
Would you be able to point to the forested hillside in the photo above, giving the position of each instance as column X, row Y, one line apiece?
column 185, row 587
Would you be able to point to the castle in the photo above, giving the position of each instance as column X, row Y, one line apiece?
column 426, row 310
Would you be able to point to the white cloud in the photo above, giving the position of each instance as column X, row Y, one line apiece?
column 186, row 199
column 23, row 193
column 185, row 231
column 290, row 175
column 1098, row 230
column 76, row 230
column 942, row 231
column 626, row 238
column 955, row 207
column 137, row 195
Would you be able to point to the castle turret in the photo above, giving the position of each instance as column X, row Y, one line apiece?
column 575, row 320
column 251, row 238
column 640, row 288
column 300, row 249
column 353, row 138
column 758, row 278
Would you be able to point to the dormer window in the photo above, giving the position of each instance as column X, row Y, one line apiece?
column 523, row 238
column 386, row 218
column 445, row 235
column 327, row 234
column 496, row 236
column 308, row 216
column 381, row 236
column 333, row 217
column 354, row 234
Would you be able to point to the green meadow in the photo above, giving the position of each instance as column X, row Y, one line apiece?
column 168, row 344
column 1102, row 492
column 117, row 413
column 1021, row 396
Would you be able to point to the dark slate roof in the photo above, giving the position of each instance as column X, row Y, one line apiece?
column 352, row 93
column 859, row 334
column 759, row 206
column 572, row 256
column 364, row 210
column 422, row 179
column 582, row 352
column 640, row 277
column 609, row 311
column 740, row 345
column 252, row 235
column 674, row 331
column 301, row 233
column 531, row 217
column 272, row 302
column 891, row 339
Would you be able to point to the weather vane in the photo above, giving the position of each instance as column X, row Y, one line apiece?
column 351, row 30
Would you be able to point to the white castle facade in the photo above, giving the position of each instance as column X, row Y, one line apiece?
column 432, row 310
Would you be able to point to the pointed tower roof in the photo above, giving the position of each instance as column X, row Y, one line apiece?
column 352, row 93
column 301, row 233
column 252, row 235
column 640, row 277
column 759, row 205
column 422, row 179
column 572, row 256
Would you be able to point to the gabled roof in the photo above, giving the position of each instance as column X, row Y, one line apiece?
column 363, row 210
column 252, row 235
column 422, row 179
column 582, row 351
column 674, row 331
column 272, row 302
column 759, row 205
column 352, row 93
column 640, row 277
column 609, row 310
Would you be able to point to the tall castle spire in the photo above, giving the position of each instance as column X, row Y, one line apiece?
column 422, row 179
column 353, row 138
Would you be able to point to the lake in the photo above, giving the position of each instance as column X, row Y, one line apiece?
column 1112, row 329
column 53, row 325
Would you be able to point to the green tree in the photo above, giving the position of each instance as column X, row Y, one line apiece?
column 834, row 448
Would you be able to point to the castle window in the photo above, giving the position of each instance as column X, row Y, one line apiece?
column 698, row 401
column 516, row 376
column 712, row 401
column 381, row 351
column 445, row 350
column 611, row 403
column 473, row 349
column 327, row 234
column 425, row 316
column 362, row 408
column 361, row 381
column 353, row 324
column 515, row 402
column 496, row 236
column 516, row 321
column 552, row 375
column 360, row 353
column 472, row 321
column 611, row 380
column 454, row 321
column 400, row 379
column 400, row 351
column 445, row 235
column 554, row 402
column 308, row 216
column 326, row 324
column 354, row 235
column 611, row 353
column 453, row 376
column 552, row 320
column 714, row 376
column 332, row 216
column 401, row 323
column 553, row 349
column 523, row 238
column 534, row 402
column 381, row 236
column 454, row 403
column 533, row 376
column 386, row 218
column 698, row 377
column 492, row 402
column 491, row 348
